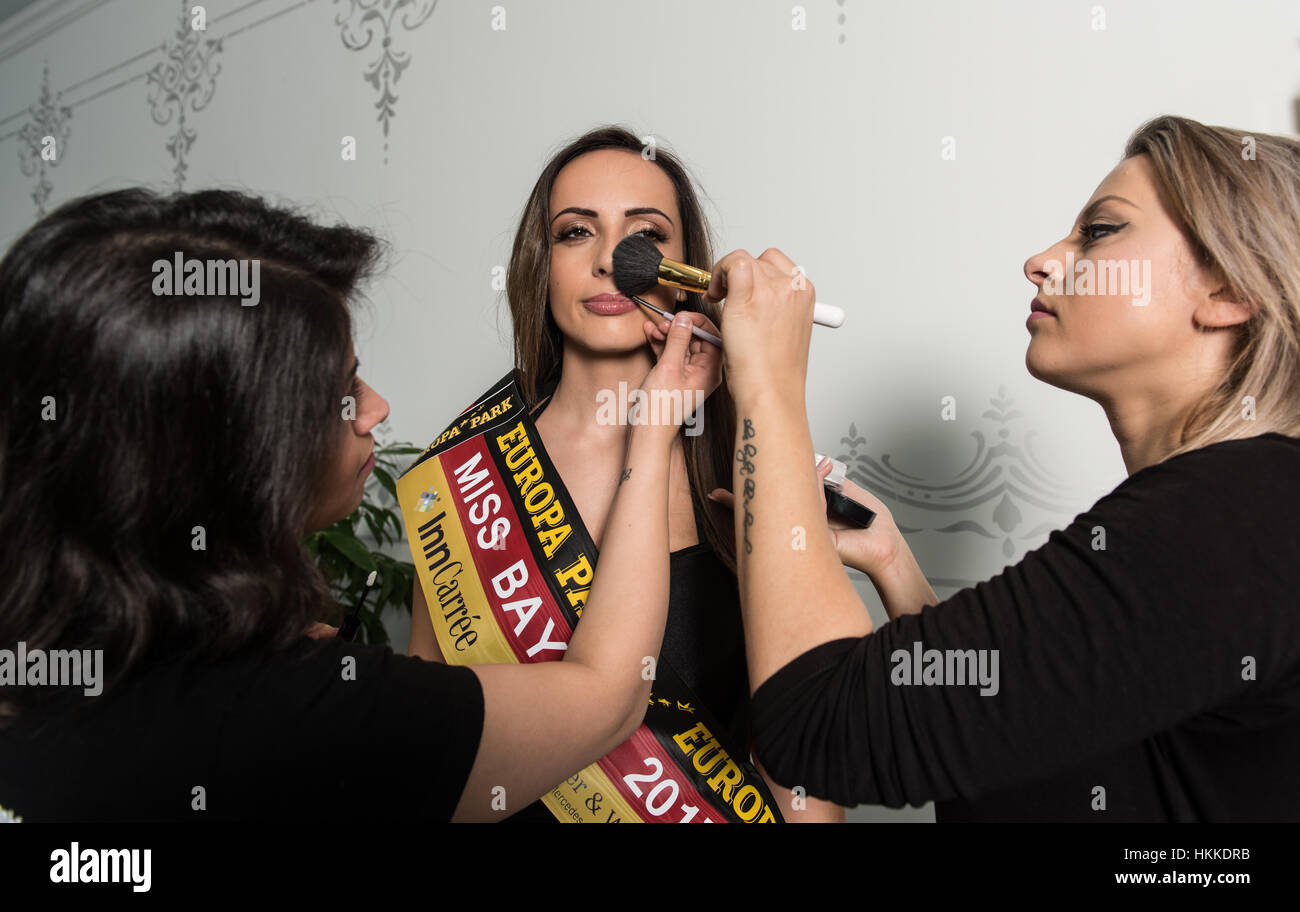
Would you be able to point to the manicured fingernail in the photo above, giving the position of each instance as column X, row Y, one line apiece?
column 683, row 319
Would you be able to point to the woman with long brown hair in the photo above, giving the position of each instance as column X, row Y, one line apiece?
column 577, row 339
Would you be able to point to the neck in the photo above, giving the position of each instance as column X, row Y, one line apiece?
column 1147, row 420
column 1146, row 433
column 584, row 375
column 1148, row 402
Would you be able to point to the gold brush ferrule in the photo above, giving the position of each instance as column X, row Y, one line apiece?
column 679, row 275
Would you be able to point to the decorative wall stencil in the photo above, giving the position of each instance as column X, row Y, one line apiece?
column 366, row 19
column 989, row 492
column 186, row 76
column 46, row 118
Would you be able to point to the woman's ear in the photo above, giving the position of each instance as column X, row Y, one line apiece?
column 1217, row 310
column 1215, row 304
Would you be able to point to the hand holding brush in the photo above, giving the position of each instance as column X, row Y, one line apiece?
column 639, row 266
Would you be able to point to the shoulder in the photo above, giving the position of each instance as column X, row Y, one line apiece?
column 318, row 694
column 1231, row 478
column 348, row 679
column 335, row 718
column 1270, row 451
column 1209, row 523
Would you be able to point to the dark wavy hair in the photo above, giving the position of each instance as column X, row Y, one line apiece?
column 128, row 419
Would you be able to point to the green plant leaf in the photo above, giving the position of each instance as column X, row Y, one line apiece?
column 396, row 520
column 376, row 529
column 350, row 548
column 387, row 481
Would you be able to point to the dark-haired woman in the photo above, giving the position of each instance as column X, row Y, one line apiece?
column 576, row 336
column 160, row 457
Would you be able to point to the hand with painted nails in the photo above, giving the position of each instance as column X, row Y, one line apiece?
column 687, row 369
column 766, row 324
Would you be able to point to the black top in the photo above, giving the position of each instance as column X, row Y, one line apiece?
column 704, row 639
column 270, row 736
column 1163, row 669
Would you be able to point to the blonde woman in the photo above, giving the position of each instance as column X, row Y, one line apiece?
column 1153, row 674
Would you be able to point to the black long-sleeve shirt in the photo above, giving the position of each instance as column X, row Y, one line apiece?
column 1148, row 667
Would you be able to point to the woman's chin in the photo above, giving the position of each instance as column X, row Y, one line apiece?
column 614, row 343
column 1055, row 375
column 1038, row 369
column 327, row 516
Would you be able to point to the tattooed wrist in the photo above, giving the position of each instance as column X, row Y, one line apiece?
column 745, row 454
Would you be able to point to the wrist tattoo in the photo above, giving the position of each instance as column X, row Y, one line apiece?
column 627, row 473
column 745, row 456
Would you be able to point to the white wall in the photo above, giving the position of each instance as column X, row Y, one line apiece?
column 824, row 142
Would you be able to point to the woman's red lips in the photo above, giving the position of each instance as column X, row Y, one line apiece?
column 606, row 304
column 1036, row 306
column 369, row 463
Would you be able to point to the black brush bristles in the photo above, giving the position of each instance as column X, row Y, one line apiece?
column 636, row 265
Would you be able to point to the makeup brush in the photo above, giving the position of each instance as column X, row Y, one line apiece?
column 639, row 266
column 353, row 621
column 695, row 330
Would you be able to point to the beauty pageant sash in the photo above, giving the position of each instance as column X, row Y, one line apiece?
column 485, row 481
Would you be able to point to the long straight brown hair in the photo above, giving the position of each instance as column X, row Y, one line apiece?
column 1241, row 215
column 538, row 343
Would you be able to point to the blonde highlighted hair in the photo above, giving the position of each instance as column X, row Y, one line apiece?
column 1241, row 217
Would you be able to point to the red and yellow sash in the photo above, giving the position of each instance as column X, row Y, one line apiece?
column 506, row 564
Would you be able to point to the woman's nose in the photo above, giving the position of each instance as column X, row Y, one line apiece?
column 375, row 412
column 604, row 261
column 1036, row 267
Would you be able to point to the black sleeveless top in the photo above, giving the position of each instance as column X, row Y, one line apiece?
column 704, row 639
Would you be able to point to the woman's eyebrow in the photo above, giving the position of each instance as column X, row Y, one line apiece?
column 1092, row 207
column 591, row 213
column 647, row 210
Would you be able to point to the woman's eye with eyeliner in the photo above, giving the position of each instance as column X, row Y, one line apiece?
column 654, row 234
column 571, row 232
column 1094, row 230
